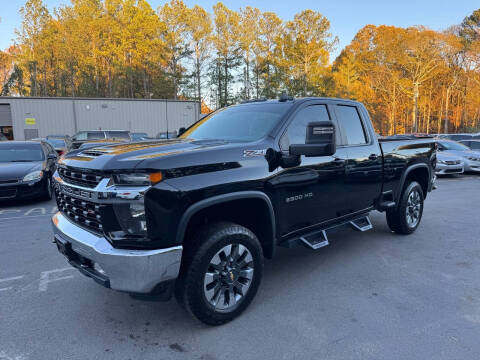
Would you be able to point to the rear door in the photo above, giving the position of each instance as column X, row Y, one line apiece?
column 363, row 170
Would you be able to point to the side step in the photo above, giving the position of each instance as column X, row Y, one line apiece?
column 361, row 224
column 318, row 239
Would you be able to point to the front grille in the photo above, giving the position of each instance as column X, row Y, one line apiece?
column 453, row 162
column 452, row 171
column 80, row 177
column 82, row 212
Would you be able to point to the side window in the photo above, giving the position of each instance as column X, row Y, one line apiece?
column 297, row 130
column 81, row 136
column 352, row 126
column 95, row 135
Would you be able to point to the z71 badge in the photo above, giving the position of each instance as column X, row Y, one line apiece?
column 299, row 197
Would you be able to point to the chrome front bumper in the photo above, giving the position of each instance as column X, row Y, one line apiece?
column 134, row 271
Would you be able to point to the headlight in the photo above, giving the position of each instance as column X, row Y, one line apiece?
column 34, row 175
column 137, row 179
column 441, row 162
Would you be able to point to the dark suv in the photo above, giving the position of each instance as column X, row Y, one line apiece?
column 85, row 136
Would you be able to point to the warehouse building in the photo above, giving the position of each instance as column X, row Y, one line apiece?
column 24, row 118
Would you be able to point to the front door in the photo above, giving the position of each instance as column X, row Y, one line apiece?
column 311, row 191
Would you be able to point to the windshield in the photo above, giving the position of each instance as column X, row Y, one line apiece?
column 450, row 145
column 238, row 123
column 56, row 143
column 25, row 153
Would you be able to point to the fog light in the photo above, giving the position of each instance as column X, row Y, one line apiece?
column 98, row 268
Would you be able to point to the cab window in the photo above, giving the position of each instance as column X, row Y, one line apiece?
column 95, row 135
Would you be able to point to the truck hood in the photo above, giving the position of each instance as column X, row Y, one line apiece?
column 162, row 154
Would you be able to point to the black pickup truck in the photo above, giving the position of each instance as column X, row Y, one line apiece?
column 195, row 216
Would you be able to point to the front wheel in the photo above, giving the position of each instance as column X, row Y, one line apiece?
column 221, row 274
column 406, row 217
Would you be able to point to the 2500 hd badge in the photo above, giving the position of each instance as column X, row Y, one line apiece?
column 196, row 216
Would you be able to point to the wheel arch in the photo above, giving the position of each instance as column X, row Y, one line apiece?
column 419, row 172
column 264, row 230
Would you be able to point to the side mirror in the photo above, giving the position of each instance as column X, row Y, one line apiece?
column 52, row 156
column 319, row 140
column 181, row 131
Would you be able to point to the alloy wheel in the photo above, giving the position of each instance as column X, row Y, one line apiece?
column 228, row 277
column 414, row 204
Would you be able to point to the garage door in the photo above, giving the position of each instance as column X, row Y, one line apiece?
column 5, row 115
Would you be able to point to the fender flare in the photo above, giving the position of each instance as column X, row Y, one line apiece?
column 408, row 170
column 214, row 200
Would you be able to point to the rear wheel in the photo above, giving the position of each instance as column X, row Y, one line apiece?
column 221, row 273
column 407, row 216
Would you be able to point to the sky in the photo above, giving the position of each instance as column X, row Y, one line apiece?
column 346, row 16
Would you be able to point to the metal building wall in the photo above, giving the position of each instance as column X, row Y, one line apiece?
column 67, row 115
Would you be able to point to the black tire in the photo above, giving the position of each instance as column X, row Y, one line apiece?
column 199, row 254
column 48, row 195
column 405, row 219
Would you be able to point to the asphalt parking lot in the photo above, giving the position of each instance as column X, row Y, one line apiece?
column 372, row 295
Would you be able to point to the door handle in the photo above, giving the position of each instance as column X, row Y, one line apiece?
column 373, row 157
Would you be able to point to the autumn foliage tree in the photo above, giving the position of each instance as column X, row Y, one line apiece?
column 411, row 79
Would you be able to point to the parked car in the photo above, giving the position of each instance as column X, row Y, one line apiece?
column 26, row 168
column 85, row 136
column 3, row 137
column 448, row 164
column 471, row 144
column 165, row 135
column 196, row 215
column 139, row 136
column 457, row 137
column 470, row 158
column 61, row 144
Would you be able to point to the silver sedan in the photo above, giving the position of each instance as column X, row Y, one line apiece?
column 448, row 164
column 470, row 157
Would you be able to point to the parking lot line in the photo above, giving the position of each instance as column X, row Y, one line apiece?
column 23, row 217
column 10, row 279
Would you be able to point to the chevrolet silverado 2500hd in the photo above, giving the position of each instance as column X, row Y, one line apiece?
column 196, row 216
